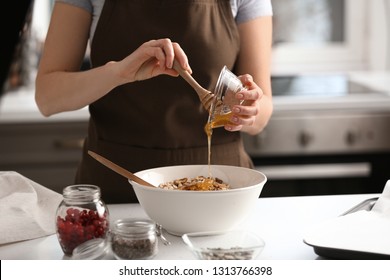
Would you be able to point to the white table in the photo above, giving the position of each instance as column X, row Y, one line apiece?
column 281, row 222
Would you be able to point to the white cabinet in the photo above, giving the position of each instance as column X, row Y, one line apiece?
column 45, row 152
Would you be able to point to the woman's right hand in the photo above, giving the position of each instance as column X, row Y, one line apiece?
column 151, row 59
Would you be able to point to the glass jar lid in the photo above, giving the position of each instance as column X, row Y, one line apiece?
column 93, row 249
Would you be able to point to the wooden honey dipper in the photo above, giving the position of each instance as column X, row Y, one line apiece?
column 206, row 97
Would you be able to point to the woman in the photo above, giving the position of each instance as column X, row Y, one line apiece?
column 139, row 122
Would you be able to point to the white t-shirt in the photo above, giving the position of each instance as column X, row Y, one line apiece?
column 243, row 10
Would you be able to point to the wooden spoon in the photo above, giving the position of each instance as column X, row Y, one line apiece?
column 120, row 170
column 206, row 97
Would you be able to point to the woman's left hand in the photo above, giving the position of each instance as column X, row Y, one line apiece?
column 246, row 113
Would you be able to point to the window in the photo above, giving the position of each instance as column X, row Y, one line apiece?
column 330, row 35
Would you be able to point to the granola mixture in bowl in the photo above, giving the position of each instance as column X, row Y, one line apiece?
column 199, row 183
column 184, row 211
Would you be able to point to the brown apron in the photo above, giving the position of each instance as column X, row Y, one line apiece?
column 159, row 122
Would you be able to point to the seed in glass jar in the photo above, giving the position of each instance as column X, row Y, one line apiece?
column 137, row 249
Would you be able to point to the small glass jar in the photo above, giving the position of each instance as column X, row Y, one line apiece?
column 81, row 216
column 134, row 239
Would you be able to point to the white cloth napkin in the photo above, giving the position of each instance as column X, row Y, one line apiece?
column 362, row 231
column 27, row 209
column 382, row 206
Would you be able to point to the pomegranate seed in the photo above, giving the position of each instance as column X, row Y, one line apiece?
column 79, row 226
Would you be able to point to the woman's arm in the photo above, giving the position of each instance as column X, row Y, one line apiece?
column 61, row 86
column 254, row 58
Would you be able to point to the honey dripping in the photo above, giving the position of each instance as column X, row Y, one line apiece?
column 219, row 120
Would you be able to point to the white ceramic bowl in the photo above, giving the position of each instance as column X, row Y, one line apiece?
column 180, row 211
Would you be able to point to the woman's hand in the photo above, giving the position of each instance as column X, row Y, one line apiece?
column 151, row 59
column 245, row 115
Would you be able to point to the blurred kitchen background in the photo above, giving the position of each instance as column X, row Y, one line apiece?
column 330, row 131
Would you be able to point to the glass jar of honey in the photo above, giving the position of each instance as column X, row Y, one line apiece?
column 225, row 91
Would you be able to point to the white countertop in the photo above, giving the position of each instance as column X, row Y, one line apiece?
column 20, row 106
column 377, row 81
column 281, row 222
